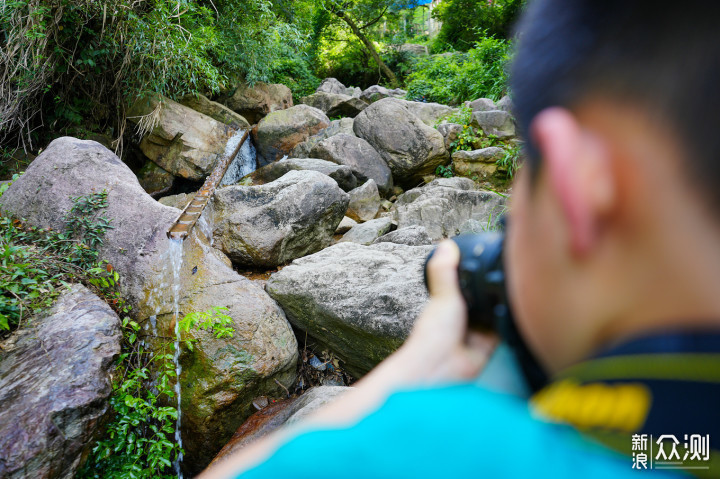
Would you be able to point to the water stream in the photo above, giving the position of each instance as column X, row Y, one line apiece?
column 244, row 163
column 175, row 253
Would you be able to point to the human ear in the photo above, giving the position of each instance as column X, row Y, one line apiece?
column 579, row 173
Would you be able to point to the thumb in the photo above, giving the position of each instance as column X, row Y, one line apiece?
column 442, row 270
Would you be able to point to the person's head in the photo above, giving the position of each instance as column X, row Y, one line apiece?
column 615, row 218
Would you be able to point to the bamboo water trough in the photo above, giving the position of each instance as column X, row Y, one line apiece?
column 192, row 211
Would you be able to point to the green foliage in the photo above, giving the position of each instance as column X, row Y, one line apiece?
column 74, row 66
column 213, row 321
column 139, row 441
column 36, row 264
column 457, row 77
column 465, row 21
column 444, row 171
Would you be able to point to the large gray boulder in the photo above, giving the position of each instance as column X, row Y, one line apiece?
column 216, row 111
column 497, row 122
column 342, row 174
column 254, row 102
column 450, row 133
column 445, row 204
column 409, row 147
column 376, row 92
column 219, row 377
column 481, row 104
column 181, row 141
column 265, row 226
column 359, row 155
column 343, row 125
column 331, row 85
column 55, row 382
column 358, row 301
column 278, row 133
column 335, row 104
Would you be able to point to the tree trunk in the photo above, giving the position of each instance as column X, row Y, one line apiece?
column 369, row 47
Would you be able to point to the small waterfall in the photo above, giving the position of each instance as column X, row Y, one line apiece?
column 244, row 163
column 175, row 253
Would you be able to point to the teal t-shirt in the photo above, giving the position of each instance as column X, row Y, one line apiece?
column 453, row 431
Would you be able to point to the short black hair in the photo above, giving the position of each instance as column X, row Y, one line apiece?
column 662, row 56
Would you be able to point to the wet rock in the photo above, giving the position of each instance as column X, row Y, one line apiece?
column 154, row 180
column 278, row 133
column 409, row 147
column 342, row 174
column 255, row 102
column 215, row 111
column 450, row 133
column 221, row 377
column 273, row 417
column 55, row 382
column 366, row 233
column 183, row 141
column 377, row 92
column 364, row 202
column 481, row 163
column 358, row 301
column 359, row 155
column 335, row 104
column 498, row 123
column 268, row 225
column 345, row 225
column 481, row 104
column 410, row 235
column 343, row 125
column 445, row 204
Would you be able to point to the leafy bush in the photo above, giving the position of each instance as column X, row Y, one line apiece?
column 462, row 20
column 456, row 77
column 37, row 264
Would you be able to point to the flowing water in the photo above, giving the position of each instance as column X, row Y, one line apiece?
column 175, row 250
column 244, row 163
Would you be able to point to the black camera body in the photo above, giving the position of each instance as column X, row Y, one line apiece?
column 481, row 274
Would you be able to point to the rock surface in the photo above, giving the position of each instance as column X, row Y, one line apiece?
column 505, row 104
column 445, row 204
column 154, row 180
column 178, row 201
column 410, row 235
column 450, row 132
column 481, row 104
column 409, row 147
column 274, row 416
column 342, row 174
column 364, row 202
column 366, row 233
column 428, row 112
column 377, row 92
column 359, row 301
column 335, row 104
column 220, row 377
column 268, row 225
column 345, row 225
column 359, row 155
column 183, row 142
column 343, row 125
column 55, row 382
column 216, row 111
column 333, row 85
column 498, row 123
column 278, row 133
column 481, row 163
column 255, row 102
